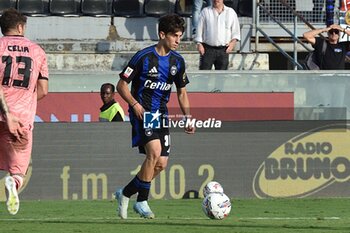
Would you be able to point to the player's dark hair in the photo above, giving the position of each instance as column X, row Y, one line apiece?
column 105, row 85
column 10, row 18
column 171, row 23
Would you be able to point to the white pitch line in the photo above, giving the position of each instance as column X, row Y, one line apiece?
column 175, row 218
column 90, row 219
column 291, row 218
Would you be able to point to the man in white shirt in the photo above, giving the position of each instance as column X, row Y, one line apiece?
column 217, row 33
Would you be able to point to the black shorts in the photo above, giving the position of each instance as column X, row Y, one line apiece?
column 141, row 136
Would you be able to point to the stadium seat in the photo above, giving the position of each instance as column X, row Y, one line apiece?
column 128, row 8
column 184, row 8
column 33, row 7
column 157, row 8
column 65, row 7
column 5, row 4
column 96, row 7
column 245, row 8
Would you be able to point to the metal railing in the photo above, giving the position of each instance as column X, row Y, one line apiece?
column 282, row 12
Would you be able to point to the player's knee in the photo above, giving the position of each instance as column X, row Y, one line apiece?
column 153, row 155
column 161, row 164
column 161, row 167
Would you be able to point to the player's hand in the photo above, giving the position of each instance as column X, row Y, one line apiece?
column 138, row 110
column 15, row 126
column 189, row 129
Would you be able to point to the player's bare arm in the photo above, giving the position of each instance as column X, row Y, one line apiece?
column 185, row 107
column 43, row 88
column 13, row 123
column 124, row 92
column 3, row 106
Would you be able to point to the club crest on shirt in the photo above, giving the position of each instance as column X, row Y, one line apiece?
column 127, row 72
column 173, row 70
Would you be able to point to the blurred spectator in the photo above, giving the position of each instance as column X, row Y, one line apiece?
column 333, row 59
column 111, row 110
column 196, row 10
column 217, row 33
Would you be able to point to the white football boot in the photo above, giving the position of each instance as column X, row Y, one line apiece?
column 143, row 209
column 123, row 203
column 12, row 195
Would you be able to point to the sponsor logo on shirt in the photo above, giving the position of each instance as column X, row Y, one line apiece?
column 157, row 85
column 153, row 72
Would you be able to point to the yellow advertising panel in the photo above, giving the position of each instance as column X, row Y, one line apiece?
column 305, row 164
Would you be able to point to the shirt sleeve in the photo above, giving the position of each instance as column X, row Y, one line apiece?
column 44, row 70
column 182, row 79
column 131, row 70
column 235, row 29
column 200, row 27
column 318, row 41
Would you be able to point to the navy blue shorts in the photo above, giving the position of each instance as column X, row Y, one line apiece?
column 141, row 136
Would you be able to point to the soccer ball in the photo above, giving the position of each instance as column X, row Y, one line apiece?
column 216, row 206
column 212, row 187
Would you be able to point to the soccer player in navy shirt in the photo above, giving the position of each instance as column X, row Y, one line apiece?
column 152, row 71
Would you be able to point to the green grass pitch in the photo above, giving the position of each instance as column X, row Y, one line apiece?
column 172, row 216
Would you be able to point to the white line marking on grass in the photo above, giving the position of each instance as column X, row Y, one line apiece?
column 170, row 218
column 54, row 219
column 91, row 219
column 291, row 218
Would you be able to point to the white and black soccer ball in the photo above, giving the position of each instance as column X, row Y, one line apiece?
column 216, row 206
column 212, row 187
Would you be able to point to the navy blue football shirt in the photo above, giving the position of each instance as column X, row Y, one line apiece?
column 152, row 77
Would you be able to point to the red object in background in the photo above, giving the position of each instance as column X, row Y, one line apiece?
column 85, row 107
column 242, row 106
column 345, row 5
